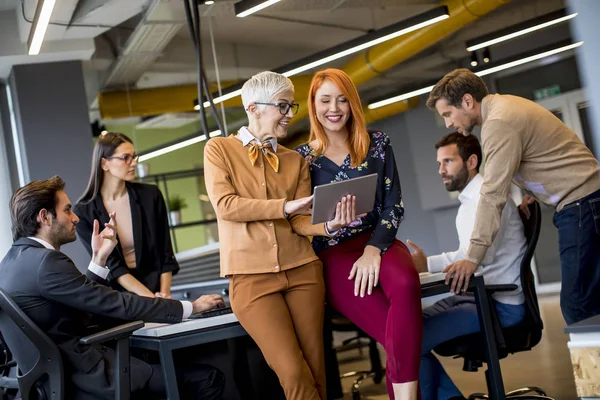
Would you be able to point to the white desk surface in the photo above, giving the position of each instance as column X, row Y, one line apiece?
column 152, row 329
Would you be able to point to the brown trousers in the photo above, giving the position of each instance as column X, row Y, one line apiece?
column 283, row 313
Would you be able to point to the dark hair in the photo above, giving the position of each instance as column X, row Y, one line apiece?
column 455, row 85
column 105, row 147
column 26, row 203
column 467, row 146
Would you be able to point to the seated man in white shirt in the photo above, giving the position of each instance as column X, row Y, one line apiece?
column 459, row 158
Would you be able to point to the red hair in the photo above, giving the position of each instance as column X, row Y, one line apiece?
column 358, row 137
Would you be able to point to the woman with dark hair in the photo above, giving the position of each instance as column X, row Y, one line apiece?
column 370, row 275
column 143, row 261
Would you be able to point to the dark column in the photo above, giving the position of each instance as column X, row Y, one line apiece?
column 54, row 133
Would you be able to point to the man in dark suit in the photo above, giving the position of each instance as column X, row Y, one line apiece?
column 49, row 288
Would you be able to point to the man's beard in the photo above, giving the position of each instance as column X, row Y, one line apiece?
column 459, row 181
column 467, row 130
column 62, row 234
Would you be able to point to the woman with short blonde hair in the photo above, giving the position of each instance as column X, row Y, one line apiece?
column 261, row 194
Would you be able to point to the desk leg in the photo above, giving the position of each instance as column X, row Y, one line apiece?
column 169, row 373
column 493, row 373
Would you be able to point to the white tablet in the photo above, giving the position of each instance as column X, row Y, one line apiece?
column 327, row 196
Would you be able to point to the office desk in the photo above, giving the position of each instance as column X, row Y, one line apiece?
column 165, row 338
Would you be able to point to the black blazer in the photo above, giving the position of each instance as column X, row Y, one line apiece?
column 153, row 250
column 61, row 301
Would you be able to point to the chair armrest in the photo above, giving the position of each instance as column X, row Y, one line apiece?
column 113, row 333
column 501, row 288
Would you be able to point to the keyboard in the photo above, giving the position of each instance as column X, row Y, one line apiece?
column 212, row 313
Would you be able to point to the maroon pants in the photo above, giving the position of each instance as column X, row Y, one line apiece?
column 392, row 314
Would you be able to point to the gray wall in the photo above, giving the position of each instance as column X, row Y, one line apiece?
column 5, row 189
column 53, row 124
column 585, row 27
column 429, row 210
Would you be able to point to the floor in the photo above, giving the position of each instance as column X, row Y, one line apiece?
column 548, row 365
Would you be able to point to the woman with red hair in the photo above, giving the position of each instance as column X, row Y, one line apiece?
column 370, row 276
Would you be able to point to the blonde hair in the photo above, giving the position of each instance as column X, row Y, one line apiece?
column 265, row 87
column 358, row 139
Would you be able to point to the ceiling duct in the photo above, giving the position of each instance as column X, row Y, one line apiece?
column 145, row 45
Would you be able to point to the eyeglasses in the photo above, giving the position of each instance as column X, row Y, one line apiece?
column 284, row 108
column 127, row 158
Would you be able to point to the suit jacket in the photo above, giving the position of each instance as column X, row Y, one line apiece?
column 48, row 287
column 152, row 241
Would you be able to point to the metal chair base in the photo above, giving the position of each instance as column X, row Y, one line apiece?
column 361, row 376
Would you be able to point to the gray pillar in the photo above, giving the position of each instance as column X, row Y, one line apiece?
column 5, row 185
column 54, row 133
column 585, row 27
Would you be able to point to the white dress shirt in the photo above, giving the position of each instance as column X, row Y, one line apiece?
column 246, row 137
column 502, row 262
column 102, row 272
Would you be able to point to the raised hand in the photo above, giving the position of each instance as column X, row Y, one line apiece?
column 104, row 242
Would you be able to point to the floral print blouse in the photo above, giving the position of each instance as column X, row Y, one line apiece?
column 385, row 218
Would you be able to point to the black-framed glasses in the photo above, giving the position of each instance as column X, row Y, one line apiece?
column 284, row 108
column 126, row 158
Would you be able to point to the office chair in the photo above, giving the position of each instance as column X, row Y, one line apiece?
column 340, row 323
column 41, row 373
column 522, row 337
column 9, row 386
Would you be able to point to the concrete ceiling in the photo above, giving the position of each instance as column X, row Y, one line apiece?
column 292, row 29
column 285, row 32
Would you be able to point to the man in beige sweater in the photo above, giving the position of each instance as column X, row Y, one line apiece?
column 526, row 144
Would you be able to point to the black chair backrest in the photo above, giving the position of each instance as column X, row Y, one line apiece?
column 36, row 354
column 532, row 233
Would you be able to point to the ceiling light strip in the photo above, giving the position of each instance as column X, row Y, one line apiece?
column 178, row 146
column 520, row 33
column 353, row 46
column 40, row 25
column 245, row 12
column 484, row 72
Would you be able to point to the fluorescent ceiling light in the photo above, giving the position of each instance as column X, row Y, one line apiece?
column 247, row 7
column 178, row 146
column 41, row 19
column 363, row 46
column 484, row 72
column 526, row 60
column 353, row 46
column 401, row 97
column 519, row 30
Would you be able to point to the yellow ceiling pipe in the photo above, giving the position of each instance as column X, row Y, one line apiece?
column 171, row 99
column 386, row 55
column 361, row 69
